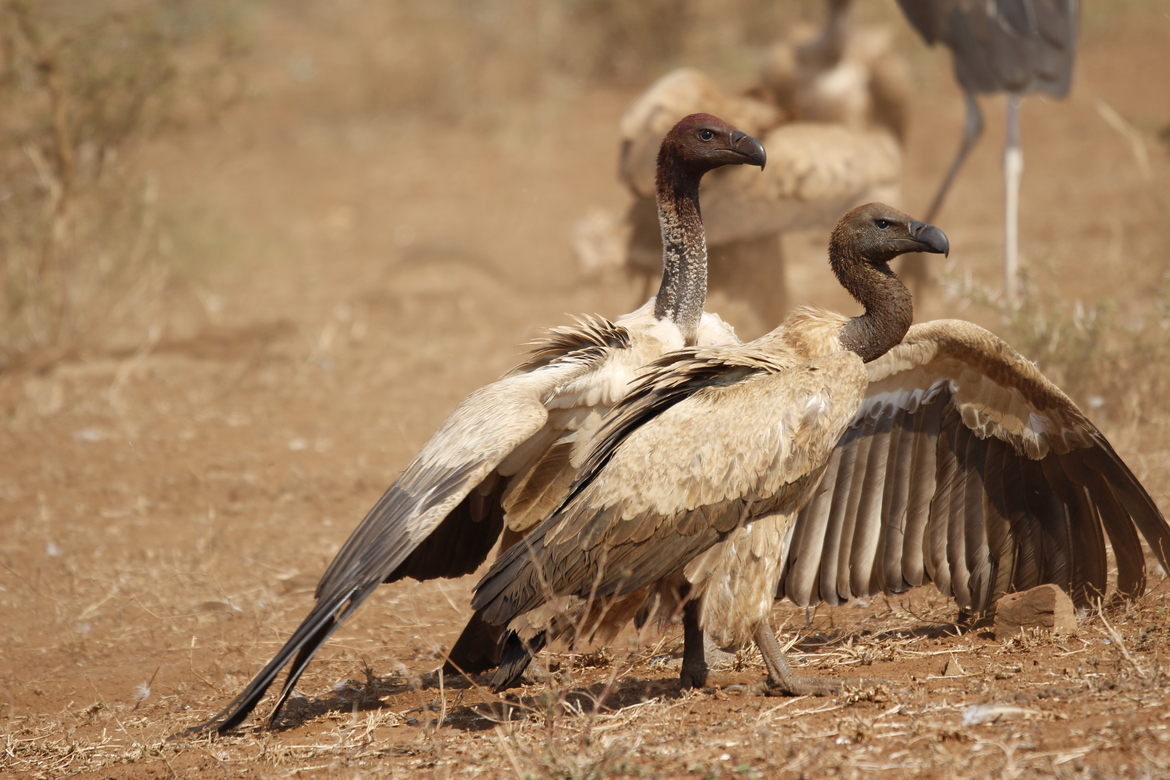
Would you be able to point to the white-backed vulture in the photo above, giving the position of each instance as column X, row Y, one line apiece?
column 712, row 441
column 502, row 460
column 835, row 142
column 1012, row 46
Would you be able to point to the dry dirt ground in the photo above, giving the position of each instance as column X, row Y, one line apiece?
column 167, row 506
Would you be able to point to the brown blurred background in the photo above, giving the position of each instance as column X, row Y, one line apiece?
column 252, row 253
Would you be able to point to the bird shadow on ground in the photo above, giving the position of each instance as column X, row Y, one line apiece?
column 468, row 704
column 828, row 639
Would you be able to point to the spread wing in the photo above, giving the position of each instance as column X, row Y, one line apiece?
column 965, row 467
column 698, row 449
column 502, row 448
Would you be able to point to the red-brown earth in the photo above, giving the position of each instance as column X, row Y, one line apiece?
column 168, row 504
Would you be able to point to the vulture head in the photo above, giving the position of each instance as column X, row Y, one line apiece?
column 860, row 250
column 876, row 233
column 700, row 143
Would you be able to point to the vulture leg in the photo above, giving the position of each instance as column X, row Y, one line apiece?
column 694, row 665
column 783, row 681
column 516, row 655
column 1013, row 169
column 913, row 269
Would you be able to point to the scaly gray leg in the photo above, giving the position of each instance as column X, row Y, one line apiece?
column 972, row 129
column 782, row 680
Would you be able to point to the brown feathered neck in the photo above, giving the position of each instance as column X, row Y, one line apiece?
column 889, row 310
column 683, row 293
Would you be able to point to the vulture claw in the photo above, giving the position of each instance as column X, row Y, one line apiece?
column 800, row 685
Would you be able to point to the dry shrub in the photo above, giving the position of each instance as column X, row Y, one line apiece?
column 82, row 84
column 1111, row 361
column 1098, row 354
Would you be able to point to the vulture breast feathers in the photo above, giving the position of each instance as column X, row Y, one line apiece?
column 707, row 440
column 965, row 467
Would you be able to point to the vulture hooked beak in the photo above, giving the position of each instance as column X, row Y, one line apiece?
column 743, row 144
column 929, row 238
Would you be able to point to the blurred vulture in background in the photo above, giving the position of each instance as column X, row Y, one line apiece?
column 830, row 109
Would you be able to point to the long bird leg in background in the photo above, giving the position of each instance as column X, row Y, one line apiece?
column 972, row 129
column 782, row 680
column 1008, row 46
column 1013, row 169
column 914, row 271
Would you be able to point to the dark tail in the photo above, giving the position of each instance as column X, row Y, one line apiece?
column 517, row 654
column 320, row 623
column 477, row 649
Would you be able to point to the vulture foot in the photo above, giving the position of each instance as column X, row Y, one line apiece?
column 800, row 685
column 693, row 677
column 783, row 681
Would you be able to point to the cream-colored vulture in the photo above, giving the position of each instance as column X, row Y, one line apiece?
column 714, row 440
column 963, row 466
column 502, row 460
column 835, row 142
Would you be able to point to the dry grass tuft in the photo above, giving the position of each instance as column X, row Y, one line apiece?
column 1110, row 360
column 84, row 254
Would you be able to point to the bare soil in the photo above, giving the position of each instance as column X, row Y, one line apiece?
column 168, row 503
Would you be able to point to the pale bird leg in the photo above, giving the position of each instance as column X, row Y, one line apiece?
column 1013, row 169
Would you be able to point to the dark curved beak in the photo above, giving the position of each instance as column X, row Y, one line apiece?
column 930, row 238
column 743, row 144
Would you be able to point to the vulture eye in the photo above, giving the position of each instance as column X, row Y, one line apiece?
column 882, row 224
column 706, row 135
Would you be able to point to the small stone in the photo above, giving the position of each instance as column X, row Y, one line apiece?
column 952, row 669
column 1046, row 607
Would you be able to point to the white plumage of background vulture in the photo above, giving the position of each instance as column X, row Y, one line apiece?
column 962, row 465
column 501, row 461
column 714, row 438
column 1012, row 46
column 831, row 111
